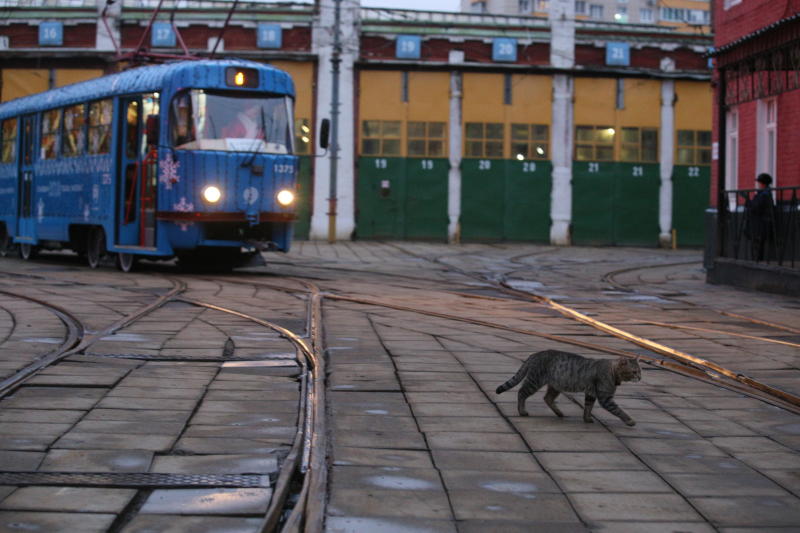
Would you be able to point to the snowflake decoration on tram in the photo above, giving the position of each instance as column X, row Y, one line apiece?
column 168, row 172
column 183, row 207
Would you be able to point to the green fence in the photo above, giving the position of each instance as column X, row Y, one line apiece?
column 690, row 198
column 401, row 198
column 505, row 200
column 615, row 203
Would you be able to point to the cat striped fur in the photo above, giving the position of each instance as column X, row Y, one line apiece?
column 569, row 372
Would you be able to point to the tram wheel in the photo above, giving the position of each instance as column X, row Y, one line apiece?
column 27, row 251
column 126, row 262
column 95, row 247
column 6, row 242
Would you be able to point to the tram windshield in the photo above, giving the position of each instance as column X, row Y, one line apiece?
column 231, row 122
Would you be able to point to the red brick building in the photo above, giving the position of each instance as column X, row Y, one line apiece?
column 756, row 112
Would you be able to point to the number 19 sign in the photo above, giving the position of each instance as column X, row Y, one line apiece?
column 269, row 36
column 408, row 46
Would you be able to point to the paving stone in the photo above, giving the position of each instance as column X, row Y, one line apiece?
column 75, row 380
column 195, row 524
column 12, row 522
column 658, row 507
column 638, row 481
column 370, row 408
column 748, row 444
column 146, row 403
column 454, row 440
column 653, row 527
column 108, row 441
column 379, row 439
column 208, row 502
column 472, row 460
column 344, row 455
column 139, row 415
column 499, row 481
column 157, row 392
column 453, row 409
column 248, row 407
column 30, row 416
column 657, row 446
column 775, row 460
column 215, row 464
column 573, row 442
column 524, row 526
column 26, row 443
column 66, row 499
column 384, row 477
column 222, row 445
column 389, row 503
column 96, row 461
column 589, row 461
column 724, row 485
column 694, row 464
column 128, row 427
column 34, row 429
column 459, row 423
column 375, row 423
column 54, row 398
column 361, row 524
column 753, row 511
column 488, row 505
column 16, row 461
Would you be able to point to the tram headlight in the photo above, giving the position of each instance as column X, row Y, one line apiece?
column 212, row 194
column 285, row 197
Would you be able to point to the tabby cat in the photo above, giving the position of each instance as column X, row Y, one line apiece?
column 569, row 372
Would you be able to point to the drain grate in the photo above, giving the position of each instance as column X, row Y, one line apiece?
column 144, row 480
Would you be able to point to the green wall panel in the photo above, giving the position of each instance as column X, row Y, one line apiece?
column 690, row 198
column 305, row 194
column 528, row 185
column 505, row 200
column 402, row 198
column 615, row 203
column 483, row 193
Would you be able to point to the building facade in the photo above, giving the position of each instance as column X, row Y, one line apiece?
column 757, row 104
column 453, row 126
column 692, row 16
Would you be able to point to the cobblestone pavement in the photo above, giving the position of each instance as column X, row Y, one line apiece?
column 418, row 337
column 422, row 443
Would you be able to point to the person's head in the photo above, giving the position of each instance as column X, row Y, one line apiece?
column 764, row 180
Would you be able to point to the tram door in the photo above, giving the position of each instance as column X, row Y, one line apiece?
column 25, row 214
column 136, row 176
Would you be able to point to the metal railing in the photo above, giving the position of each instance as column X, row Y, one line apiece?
column 768, row 235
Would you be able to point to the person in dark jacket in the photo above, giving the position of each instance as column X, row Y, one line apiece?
column 761, row 216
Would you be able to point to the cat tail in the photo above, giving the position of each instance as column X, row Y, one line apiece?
column 511, row 383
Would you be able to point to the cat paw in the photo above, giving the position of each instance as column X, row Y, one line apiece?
column 523, row 413
column 589, row 420
column 630, row 422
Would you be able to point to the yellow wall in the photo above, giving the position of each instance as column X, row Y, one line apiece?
column 594, row 102
column 483, row 97
column 19, row 82
column 693, row 108
column 531, row 100
column 642, row 104
column 303, row 76
column 380, row 98
column 70, row 76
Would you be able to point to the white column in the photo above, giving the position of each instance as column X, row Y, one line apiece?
column 562, row 56
column 455, row 148
column 667, row 158
column 107, row 33
column 322, row 46
column 561, row 157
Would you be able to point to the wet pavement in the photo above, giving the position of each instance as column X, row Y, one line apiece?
column 418, row 337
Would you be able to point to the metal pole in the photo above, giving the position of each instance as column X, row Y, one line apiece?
column 335, row 62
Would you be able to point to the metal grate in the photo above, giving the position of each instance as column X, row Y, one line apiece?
column 124, row 479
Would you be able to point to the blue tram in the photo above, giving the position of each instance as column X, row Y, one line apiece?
column 190, row 159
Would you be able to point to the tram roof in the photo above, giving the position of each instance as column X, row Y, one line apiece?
column 202, row 73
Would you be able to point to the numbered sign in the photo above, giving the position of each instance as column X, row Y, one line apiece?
column 504, row 49
column 163, row 35
column 51, row 34
column 408, row 46
column 269, row 36
column 618, row 54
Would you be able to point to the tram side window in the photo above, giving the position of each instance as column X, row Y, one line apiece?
column 639, row 145
column 426, row 139
column 484, row 139
column 100, row 127
column 302, row 136
column 51, row 133
column 74, row 130
column 380, row 138
column 693, row 147
column 530, row 141
column 9, row 140
column 594, row 143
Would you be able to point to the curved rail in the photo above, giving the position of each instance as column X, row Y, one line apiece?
column 77, row 341
column 308, row 454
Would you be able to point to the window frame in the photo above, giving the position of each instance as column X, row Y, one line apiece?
column 81, row 145
column 484, row 141
column 531, row 142
column 91, row 128
column 594, row 143
column 382, row 138
column 639, row 144
column 9, row 141
column 427, row 139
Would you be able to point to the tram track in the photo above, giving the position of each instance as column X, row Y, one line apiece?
column 298, row 493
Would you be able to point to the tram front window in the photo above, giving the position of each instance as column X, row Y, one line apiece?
column 203, row 120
